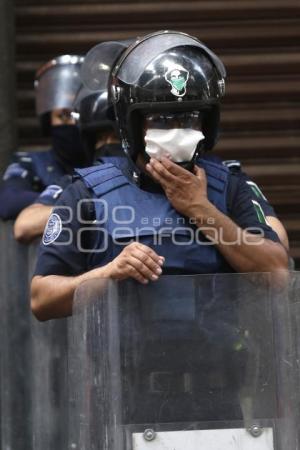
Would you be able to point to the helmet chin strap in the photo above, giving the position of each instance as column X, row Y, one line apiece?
column 136, row 172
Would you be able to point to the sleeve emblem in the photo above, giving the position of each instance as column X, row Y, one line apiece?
column 53, row 229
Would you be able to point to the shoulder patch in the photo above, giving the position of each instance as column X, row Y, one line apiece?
column 53, row 229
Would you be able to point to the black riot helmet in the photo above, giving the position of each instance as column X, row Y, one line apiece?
column 170, row 72
column 94, row 111
column 94, row 115
column 93, row 104
column 56, row 85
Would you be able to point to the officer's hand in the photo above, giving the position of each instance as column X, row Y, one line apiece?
column 136, row 261
column 186, row 191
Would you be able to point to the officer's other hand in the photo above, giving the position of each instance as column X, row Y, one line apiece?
column 136, row 261
column 186, row 191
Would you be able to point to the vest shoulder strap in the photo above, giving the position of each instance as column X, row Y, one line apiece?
column 102, row 178
column 217, row 174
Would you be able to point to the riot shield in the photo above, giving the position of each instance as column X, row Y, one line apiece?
column 197, row 362
column 48, row 379
column 294, row 302
column 15, row 343
column 33, row 359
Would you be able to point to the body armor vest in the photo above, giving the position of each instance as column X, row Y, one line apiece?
column 126, row 213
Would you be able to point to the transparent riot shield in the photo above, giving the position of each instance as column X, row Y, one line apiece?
column 49, row 385
column 15, row 343
column 48, row 379
column 294, row 298
column 33, row 359
column 194, row 362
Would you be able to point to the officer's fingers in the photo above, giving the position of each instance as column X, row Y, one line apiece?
column 132, row 272
column 149, row 252
column 173, row 168
column 148, row 261
column 155, row 175
column 200, row 173
column 161, row 170
column 142, row 269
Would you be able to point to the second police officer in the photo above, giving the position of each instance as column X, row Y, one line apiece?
column 175, row 212
column 35, row 180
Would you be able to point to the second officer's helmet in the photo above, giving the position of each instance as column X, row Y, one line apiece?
column 166, row 72
column 94, row 110
column 57, row 84
column 95, row 116
column 93, row 102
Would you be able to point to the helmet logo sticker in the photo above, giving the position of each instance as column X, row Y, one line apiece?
column 177, row 76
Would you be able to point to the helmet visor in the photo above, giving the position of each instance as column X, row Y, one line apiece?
column 140, row 56
column 57, row 88
column 98, row 63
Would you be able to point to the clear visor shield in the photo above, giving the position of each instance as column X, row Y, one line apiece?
column 133, row 63
column 57, row 88
column 187, row 362
column 98, row 63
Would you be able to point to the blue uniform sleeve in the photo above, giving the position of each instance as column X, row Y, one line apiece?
column 235, row 168
column 58, row 252
column 13, row 200
column 16, row 189
column 245, row 210
column 258, row 196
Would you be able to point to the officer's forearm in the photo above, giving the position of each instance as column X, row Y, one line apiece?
column 279, row 229
column 244, row 251
column 52, row 295
column 31, row 222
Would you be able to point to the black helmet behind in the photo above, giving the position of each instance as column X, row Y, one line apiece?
column 95, row 113
column 166, row 72
column 93, row 104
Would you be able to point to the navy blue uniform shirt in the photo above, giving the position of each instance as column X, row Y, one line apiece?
column 26, row 179
column 61, row 255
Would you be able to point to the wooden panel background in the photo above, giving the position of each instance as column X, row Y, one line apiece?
column 259, row 42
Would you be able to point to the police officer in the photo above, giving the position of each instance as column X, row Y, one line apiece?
column 172, row 215
column 97, row 123
column 38, row 177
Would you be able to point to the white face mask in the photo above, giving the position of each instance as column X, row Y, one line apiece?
column 177, row 144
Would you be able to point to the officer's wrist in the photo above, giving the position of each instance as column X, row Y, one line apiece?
column 202, row 213
column 107, row 270
column 100, row 272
